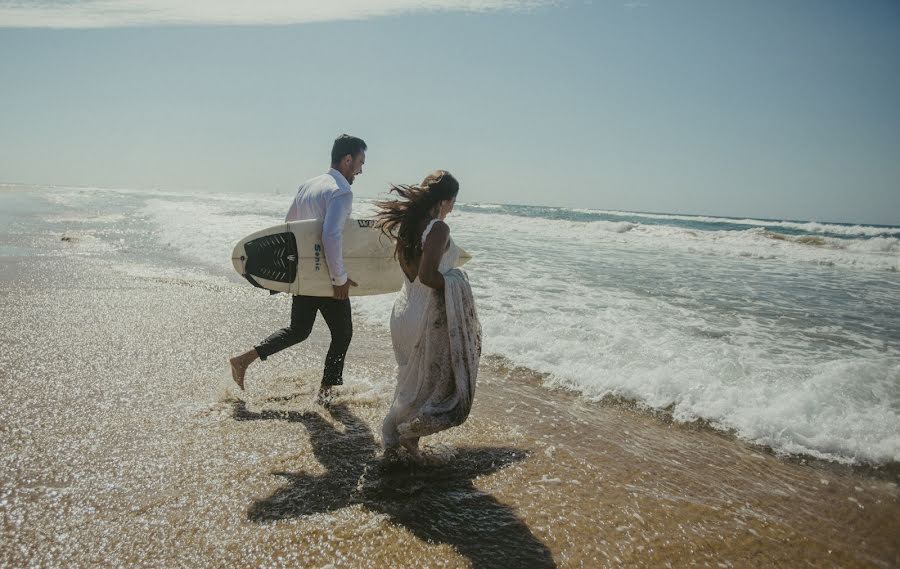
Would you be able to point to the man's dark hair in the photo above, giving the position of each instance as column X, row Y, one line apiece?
column 344, row 145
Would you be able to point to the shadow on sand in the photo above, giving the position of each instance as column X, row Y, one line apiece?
column 437, row 503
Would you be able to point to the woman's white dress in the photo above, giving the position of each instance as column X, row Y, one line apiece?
column 437, row 343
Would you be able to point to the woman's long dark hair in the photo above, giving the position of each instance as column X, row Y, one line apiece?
column 401, row 219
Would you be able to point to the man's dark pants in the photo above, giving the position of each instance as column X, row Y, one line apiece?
column 303, row 315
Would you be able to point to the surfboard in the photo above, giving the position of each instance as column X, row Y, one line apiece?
column 289, row 257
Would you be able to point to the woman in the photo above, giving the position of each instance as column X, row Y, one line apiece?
column 434, row 327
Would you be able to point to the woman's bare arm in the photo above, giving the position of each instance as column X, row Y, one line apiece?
column 432, row 251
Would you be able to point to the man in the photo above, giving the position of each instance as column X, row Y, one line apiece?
column 327, row 197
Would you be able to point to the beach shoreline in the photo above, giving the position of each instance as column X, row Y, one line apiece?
column 131, row 445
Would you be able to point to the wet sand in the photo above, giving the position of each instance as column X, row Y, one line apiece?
column 126, row 443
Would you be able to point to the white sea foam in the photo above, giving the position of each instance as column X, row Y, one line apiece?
column 728, row 373
column 807, row 226
column 202, row 231
column 756, row 243
column 873, row 245
column 85, row 218
column 484, row 206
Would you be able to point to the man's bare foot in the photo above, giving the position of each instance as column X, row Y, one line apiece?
column 238, row 369
column 325, row 396
column 239, row 365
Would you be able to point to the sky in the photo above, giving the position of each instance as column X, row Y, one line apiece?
column 776, row 109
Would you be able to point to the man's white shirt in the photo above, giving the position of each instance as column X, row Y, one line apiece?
column 326, row 197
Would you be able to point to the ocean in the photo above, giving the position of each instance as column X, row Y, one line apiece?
column 783, row 333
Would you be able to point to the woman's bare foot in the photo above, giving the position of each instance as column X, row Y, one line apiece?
column 412, row 447
column 239, row 365
column 391, row 454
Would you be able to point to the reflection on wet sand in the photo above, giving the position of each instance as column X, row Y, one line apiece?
column 438, row 503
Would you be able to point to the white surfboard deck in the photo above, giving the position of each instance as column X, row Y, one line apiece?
column 289, row 257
